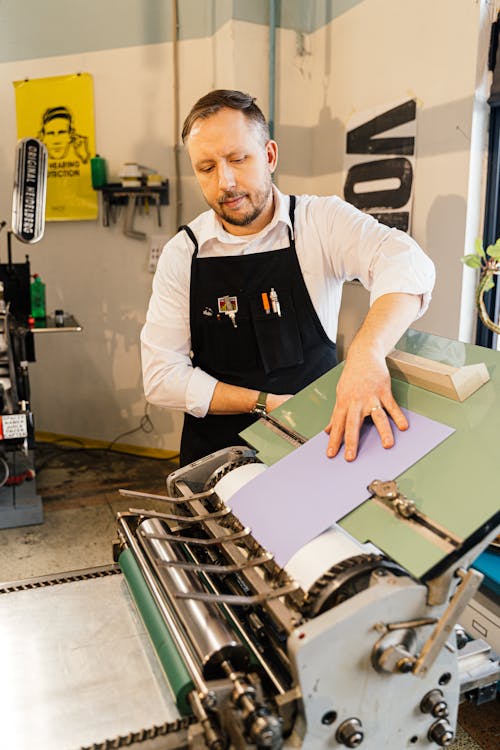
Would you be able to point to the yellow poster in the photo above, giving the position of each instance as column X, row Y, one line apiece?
column 60, row 112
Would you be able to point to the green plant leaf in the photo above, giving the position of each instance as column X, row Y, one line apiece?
column 473, row 261
column 489, row 285
column 478, row 248
column 494, row 250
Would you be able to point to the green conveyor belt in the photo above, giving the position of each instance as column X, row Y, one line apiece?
column 166, row 650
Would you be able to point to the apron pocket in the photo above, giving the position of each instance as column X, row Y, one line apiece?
column 232, row 350
column 278, row 337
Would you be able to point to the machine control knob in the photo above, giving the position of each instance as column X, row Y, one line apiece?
column 433, row 703
column 350, row 733
column 441, row 733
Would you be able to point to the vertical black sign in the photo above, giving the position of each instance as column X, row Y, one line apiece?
column 366, row 139
column 30, row 186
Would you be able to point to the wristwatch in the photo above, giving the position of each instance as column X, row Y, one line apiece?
column 260, row 406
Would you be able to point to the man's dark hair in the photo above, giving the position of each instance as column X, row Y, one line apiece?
column 56, row 112
column 226, row 99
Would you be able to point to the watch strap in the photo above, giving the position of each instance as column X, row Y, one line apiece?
column 260, row 406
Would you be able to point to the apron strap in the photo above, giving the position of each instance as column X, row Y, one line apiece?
column 291, row 213
column 191, row 236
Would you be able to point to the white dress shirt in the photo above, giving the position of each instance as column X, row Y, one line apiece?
column 334, row 242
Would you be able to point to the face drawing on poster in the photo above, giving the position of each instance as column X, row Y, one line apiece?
column 63, row 142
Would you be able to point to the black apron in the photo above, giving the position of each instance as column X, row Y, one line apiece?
column 265, row 351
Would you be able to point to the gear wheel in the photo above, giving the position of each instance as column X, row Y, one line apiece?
column 221, row 471
column 345, row 579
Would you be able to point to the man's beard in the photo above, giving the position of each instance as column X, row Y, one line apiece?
column 258, row 203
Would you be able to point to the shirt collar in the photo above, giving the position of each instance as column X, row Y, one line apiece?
column 212, row 229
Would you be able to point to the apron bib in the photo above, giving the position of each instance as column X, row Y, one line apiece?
column 244, row 333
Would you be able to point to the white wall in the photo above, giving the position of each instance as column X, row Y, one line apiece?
column 376, row 52
column 89, row 384
column 383, row 52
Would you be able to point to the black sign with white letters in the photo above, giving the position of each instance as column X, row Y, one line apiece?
column 30, row 187
column 379, row 179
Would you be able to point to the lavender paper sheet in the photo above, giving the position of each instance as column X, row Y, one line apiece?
column 304, row 493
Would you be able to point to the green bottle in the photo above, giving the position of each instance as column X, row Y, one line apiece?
column 98, row 172
column 37, row 293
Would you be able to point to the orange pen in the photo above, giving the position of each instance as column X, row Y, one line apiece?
column 265, row 303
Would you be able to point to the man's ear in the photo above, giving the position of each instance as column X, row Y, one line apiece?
column 272, row 155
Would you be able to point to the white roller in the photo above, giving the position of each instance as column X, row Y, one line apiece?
column 321, row 553
column 318, row 555
column 237, row 478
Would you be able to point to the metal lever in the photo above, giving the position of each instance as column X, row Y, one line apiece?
column 395, row 655
column 167, row 498
column 194, row 540
column 471, row 580
column 388, row 493
column 181, row 519
column 236, row 599
column 252, row 562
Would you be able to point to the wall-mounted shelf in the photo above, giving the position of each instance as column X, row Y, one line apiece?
column 135, row 199
column 50, row 325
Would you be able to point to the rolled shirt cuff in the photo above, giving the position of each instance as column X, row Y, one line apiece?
column 199, row 392
column 411, row 280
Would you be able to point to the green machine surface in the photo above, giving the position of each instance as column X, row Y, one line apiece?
column 455, row 485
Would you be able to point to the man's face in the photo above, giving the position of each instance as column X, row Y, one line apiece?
column 233, row 168
column 57, row 137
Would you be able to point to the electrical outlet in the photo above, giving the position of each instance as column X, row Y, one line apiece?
column 157, row 243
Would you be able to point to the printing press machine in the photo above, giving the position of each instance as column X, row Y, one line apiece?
column 197, row 638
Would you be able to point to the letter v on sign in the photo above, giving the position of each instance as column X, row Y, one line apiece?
column 362, row 140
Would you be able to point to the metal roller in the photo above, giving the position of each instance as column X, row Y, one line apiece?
column 212, row 640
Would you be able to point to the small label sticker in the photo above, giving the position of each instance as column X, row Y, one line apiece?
column 14, row 426
column 227, row 304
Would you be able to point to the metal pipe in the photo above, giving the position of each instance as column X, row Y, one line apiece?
column 272, row 65
column 177, row 145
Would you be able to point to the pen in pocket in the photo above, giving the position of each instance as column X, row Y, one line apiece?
column 275, row 302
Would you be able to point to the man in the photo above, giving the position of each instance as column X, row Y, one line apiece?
column 58, row 134
column 246, row 298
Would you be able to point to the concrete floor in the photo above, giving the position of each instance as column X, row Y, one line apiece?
column 69, row 539
column 80, row 502
column 81, row 499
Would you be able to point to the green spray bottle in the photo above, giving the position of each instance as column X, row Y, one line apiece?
column 37, row 293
